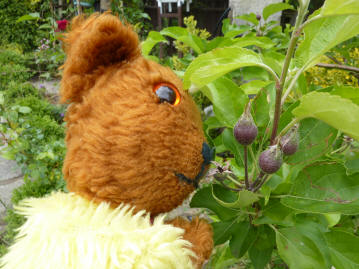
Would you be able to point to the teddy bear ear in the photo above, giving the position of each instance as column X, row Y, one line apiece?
column 92, row 45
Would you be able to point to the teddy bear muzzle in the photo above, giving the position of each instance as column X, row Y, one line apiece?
column 207, row 154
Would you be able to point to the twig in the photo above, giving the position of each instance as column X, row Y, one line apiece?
column 280, row 85
column 261, row 183
column 246, row 167
column 339, row 66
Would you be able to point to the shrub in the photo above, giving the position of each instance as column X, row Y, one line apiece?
column 23, row 33
column 33, row 130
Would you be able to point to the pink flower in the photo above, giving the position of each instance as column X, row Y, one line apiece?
column 61, row 25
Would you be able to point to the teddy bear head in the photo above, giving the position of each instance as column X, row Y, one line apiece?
column 134, row 135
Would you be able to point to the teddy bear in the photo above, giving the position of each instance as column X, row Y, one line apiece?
column 135, row 150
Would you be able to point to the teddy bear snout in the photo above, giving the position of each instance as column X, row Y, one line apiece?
column 207, row 155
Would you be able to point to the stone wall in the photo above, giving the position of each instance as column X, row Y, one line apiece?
column 240, row 7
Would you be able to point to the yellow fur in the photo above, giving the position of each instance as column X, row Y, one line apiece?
column 65, row 231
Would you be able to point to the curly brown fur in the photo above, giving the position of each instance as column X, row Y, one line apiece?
column 199, row 233
column 123, row 145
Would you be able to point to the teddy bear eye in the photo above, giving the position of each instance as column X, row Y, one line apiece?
column 167, row 93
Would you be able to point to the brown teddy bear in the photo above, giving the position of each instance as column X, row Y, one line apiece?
column 135, row 150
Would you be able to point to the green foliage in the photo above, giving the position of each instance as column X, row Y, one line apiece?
column 23, row 33
column 14, row 72
column 31, row 133
column 132, row 11
column 306, row 214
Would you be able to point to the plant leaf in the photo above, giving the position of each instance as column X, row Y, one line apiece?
column 184, row 36
column 152, row 40
column 24, row 109
column 228, row 100
column 352, row 166
column 316, row 138
column 218, row 62
column 324, row 188
column 340, row 7
column 298, row 250
column 254, row 86
column 323, row 34
column 251, row 17
column 259, row 41
column 338, row 112
column 344, row 249
column 274, row 8
column 243, row 239
column 204, row 199
column 230, row 199
column 223, row 230
column 347, row 92
column 28, row 17
column 260, row 252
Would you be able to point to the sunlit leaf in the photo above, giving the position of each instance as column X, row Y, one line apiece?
column 274, row 8
column 249, row 17
column 347, row 92
column 218, row 62
column 184, row 36
column 323, row 34
column 259, row 41
column 340, row 7
column 336, row 111
column 228, row 100
column 152, row 40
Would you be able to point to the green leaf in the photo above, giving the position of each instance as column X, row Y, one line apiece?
column 260, row 252
column 254, row 86
column 338, row 112
column 222, row 258
column 274, row 60
column 2, row 100
column 344, row 249
column 298, row 250
column 260, row 108
column 218, row 62
column 324, row 188
column 276, row 213
column 230, row 199
column 222, row 231
column 323, row 34
column 28, row 17
column 249, row 17
column 24, row 110
column 339, row 7
column 316, row 138
column 243, row 238
column 274, row 8
column 352, row 166
column 152, row 39
column 259, row 41
column 184, row 36
column 204, row 199
column 228, row 100
column 347, row 92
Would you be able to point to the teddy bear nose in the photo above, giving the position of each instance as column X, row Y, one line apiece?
column 207, row 154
